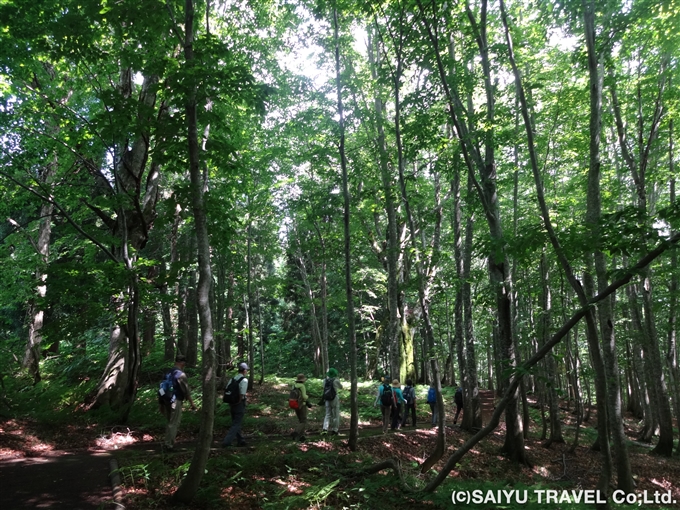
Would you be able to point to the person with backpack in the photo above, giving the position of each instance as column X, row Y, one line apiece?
column 458, row 399
column 298, row 400
column 376, row 403
column 386, row 399
column 432, row 401
column 331, row 386
column 180, row 392
column 410, row 400
column 398, row 401
column 235, row 396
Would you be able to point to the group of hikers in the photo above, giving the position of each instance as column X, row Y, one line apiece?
column 396, row 403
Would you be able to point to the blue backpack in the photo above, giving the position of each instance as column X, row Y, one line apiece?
column 431, row 396
column 169, row 390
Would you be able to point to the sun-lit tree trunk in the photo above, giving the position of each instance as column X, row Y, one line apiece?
column 190, row 484
column 323, row 296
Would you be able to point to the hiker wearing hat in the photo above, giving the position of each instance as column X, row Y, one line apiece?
column 181, row 392
column 237, row 408
column 303, row 405
column 331, row 386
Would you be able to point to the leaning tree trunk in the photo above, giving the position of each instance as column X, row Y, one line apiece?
column 190, row 484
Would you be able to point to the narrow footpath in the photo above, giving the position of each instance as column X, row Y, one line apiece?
column 58, row 480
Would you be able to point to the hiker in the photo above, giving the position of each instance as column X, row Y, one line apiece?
column 386, row 399
column 376, row 402
column 331, row 386
column 302, row 401
column 432, row 400
column 458, row 399
column 181, row 392
column 410, row 399
column 398, row 401
column 237, row 407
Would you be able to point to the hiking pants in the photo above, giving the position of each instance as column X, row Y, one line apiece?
column 302, row 419
column 459, row 408
column 412, row 408
column 173, row 424
column 435, row 412
column 237, row 413
column 386, row 416
column 332, row 419
column 396, row 416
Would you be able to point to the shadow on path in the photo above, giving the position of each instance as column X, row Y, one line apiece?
column 58, row 480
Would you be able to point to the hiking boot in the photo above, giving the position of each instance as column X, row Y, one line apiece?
column 242, row 444
column 301, row 439
column 334, row 433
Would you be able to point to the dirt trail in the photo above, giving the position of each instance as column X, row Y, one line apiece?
column 58, row 480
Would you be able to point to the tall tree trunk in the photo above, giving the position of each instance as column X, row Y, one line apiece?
column 499, row 270
column 393, row 245
column 323, row 295
column 593, row 214
column 117, row 387
column 190, row 484
column 192, row 321
column 249, row 294
column 638, row 170
column 351, row 333
column 36, row 313
column 672, row 356
column 549, row 389
column 472, row 419
column 260, row 330
column 595, row 116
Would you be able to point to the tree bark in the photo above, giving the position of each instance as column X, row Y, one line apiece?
column 393, row 245
column 351, row 333
column 190, row 484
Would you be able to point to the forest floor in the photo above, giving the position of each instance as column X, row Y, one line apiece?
column 275, row 472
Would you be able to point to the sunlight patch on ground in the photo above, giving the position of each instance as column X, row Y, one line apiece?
column 115, row 440
column 663, row 483
column 542, row 471
column 291, row 484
